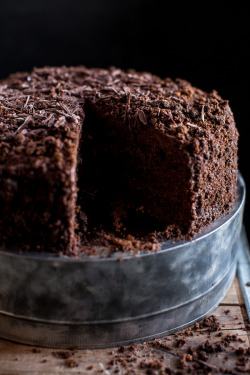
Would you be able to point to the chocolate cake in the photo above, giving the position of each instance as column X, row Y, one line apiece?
column 91, row 155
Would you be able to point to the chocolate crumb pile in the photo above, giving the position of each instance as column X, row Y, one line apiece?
column 205, row 348
column 94, row 159
column 67, row 356
column 210, row 357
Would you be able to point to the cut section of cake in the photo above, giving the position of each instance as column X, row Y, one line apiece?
column 90, row 151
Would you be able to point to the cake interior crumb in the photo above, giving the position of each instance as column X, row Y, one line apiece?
column 118, row 176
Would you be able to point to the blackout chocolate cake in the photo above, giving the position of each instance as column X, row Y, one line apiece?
column 93, row 156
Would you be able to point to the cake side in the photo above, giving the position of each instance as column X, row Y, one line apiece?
column 216, row 162
column 38, row 154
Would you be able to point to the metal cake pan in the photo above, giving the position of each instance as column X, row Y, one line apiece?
column 95, row 303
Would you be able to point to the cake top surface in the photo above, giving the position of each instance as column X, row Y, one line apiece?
column 36, row 127
column 173, row 106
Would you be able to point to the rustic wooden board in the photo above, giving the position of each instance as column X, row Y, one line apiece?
column 22, row 359
column 232, row 297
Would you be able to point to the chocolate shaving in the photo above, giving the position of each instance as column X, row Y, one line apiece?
column 27, row 101
column 27, row 122
column 142, row 117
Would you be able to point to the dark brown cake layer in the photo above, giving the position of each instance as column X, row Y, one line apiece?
column 152, row 154
column 38, row 147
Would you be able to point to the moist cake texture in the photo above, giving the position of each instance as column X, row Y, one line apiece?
column 105, row 157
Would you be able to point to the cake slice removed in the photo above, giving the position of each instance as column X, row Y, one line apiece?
column 158, row 156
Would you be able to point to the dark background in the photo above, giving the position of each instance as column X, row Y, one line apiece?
column 200, row 42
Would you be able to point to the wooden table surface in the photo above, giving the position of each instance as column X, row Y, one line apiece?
column 141, row 359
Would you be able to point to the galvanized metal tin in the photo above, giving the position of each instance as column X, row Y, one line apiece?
column 95, row 303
